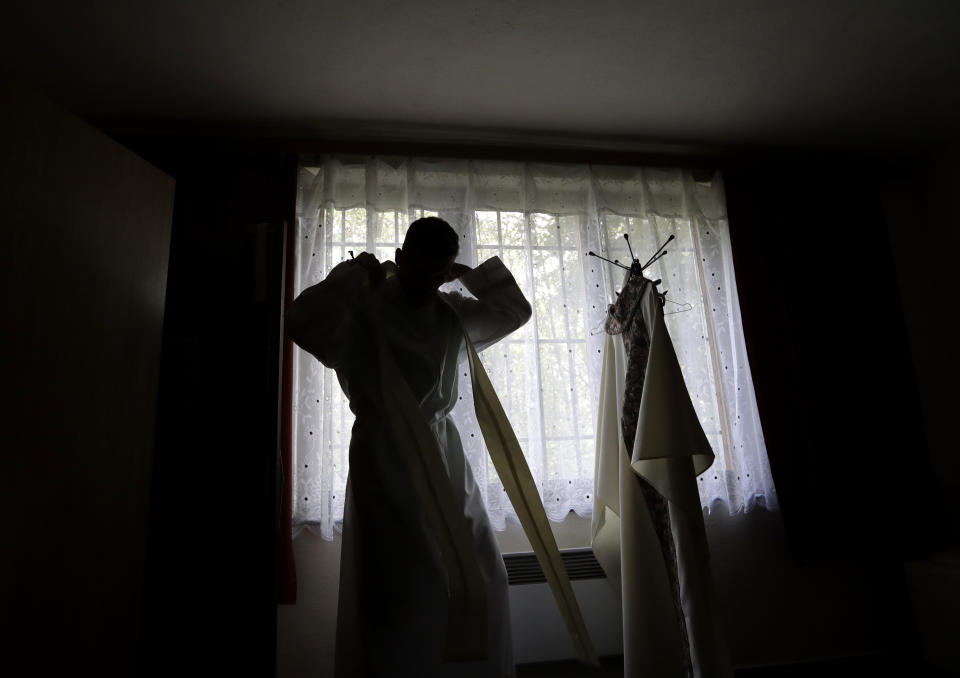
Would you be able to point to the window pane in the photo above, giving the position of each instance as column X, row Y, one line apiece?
column 519, row 386
column 561, row 460
column 516, row 262
column 546, row 270
column 355, row 226
column 581, row 387
column 615, row 226
column 514, row 228
column 337, row 226
column 386, row 227
column 573, row 288
column 570, row 231
column 543, row 227
column 557, row 390
column 487, row 229
column 643, row 238
column 588, row 450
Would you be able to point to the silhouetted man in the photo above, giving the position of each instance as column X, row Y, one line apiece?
column 393, row 592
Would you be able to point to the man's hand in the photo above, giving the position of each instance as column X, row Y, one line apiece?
column 456, row 270
column 375, row 272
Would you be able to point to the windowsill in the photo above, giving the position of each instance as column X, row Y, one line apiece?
column 573, row 532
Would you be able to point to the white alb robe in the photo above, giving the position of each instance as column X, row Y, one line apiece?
column 393, row 594
column 669, row 451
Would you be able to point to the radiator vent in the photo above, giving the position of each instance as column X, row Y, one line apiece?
column 523, row 568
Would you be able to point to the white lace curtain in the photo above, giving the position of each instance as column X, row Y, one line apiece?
column 541, row 220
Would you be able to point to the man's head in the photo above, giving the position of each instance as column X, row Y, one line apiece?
column 429, row 251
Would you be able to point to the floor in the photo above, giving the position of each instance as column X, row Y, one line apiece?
column 611, row 666
column 856, row 667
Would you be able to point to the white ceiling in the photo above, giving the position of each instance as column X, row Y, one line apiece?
column 784, row 72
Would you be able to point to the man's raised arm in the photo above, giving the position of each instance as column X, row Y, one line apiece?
column 321, row 320
column 499, row 307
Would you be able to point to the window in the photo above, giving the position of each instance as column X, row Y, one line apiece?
column 541, row 220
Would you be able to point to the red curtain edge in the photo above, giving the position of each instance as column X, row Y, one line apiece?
column 286, row 563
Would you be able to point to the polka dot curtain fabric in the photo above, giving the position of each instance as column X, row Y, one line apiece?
column 541, row 220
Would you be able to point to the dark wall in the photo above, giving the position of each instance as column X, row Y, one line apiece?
column 827, row 340
column 836, row 383
column 922, row 205
column 210, row 599
column 84, row 237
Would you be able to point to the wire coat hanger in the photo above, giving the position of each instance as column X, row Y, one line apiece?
column 684, row 305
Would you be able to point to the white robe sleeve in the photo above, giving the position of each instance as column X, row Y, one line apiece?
column 499, row 307
column 322, row 319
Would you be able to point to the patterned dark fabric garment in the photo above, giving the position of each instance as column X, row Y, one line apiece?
column 624, row 318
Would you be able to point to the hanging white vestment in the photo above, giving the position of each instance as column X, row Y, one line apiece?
column 393, row 607
column 647, row 494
